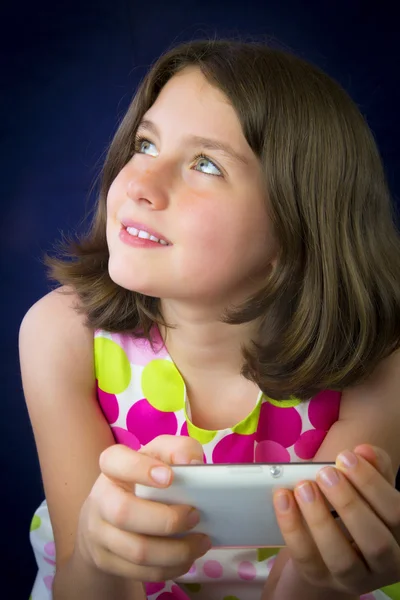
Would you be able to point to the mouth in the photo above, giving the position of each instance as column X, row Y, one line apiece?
column 143, row 232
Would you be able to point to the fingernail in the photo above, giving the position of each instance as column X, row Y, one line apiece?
column 306, row 492
column 329, row 476
column 160, row 475
column 282, row 501
column 193, row 518
column 184, row 459
column 346, row 459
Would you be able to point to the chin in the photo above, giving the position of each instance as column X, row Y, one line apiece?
column 129, row 280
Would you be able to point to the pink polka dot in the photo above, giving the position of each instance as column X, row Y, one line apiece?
column 309, row 443
column 193, row 569
column 139, row 350
column 109, row 405
column 323, row 409
column 50, row 561
column 178, row 594
column 153, row 588
column 50, row 548
column 175, row 594
column 277, row 424
column 122, row 436
column 213, row 569
column 234, row 448
column 271, row 452
column 367, row 597
column 246, row 570
column 147, row 423
column 48, row 581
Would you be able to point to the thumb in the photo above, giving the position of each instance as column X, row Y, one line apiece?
column 378, row 458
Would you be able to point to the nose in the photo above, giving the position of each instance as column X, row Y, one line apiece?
column 148, row 188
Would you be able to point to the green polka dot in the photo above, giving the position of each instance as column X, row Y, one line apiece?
column 393, row 591
column 35, row 523
column 204, row 436
column 112, row 367
column 193, row 587
column 284, row 403
column 264, row 553
column 163, row 385
column 249, row 425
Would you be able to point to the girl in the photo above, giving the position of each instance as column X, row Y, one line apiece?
column 237, row 299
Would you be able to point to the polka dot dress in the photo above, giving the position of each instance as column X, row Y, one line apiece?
column 142, row 395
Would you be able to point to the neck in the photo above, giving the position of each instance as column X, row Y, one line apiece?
column 200, row 341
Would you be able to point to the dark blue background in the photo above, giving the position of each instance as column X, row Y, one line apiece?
column 68, row 71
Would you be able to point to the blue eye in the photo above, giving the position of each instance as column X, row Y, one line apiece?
column 202, row 162
column 143, row 146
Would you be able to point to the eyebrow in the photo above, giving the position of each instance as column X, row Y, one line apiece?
column 196, row 140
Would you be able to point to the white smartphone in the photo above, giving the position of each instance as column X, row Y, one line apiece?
column 235, row 501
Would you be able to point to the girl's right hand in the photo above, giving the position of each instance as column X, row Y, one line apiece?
column 127, row 536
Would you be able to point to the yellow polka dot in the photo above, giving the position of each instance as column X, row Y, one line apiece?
column 163, row 385
column 204, row 436
column 392, row 591
column 193, row 587
column 264, row 553
column 35, row 523
column 112, row 367
column 250, row 423
column 284, row 403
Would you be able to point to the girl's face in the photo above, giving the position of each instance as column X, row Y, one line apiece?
column 194, row 183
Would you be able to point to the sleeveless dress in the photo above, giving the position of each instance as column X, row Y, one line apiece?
column 142, row 395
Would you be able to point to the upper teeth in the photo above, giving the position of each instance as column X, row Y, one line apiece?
column 145, row 235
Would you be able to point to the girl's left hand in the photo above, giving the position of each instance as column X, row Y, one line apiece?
column 368, row 504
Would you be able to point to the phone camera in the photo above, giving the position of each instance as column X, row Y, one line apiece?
column 275, row 471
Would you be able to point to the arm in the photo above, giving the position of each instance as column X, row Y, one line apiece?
column 362, row 420
column 70, row 434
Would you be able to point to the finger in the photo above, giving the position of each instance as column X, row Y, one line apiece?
column 341, row 560
column 126, row 466
column 147, row 551
column 174, row 450
column 379, row 459
column 125, row 511
column 372, row 537
column 382, row 497
column 108, row 562
column 296, row 535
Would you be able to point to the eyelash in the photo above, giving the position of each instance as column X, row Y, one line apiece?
column 140, row 139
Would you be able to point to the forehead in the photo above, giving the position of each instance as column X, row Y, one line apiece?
column 188, row 102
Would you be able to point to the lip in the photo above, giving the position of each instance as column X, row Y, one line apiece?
column 127, row 223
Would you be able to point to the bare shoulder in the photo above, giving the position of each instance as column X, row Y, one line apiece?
column 379, row 393
column 369, row 414
column 58, row 378
column 55, row 313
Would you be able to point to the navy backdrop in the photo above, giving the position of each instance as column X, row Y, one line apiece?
column 68, row 74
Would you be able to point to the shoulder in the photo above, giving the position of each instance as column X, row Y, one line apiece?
column 59, row 306
column 370, row 412
column 378, row 395
column 55, row 341
column 55, row 318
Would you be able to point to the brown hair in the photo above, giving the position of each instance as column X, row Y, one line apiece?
column 330, row 311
